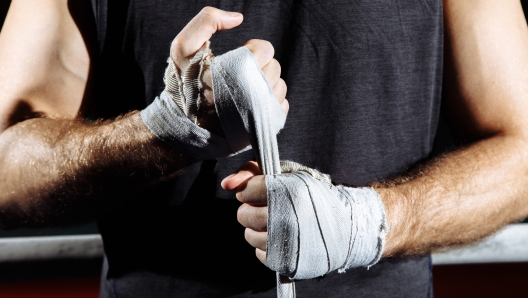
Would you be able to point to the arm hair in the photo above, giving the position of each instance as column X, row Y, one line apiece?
column 59, row 172
column 472, row 192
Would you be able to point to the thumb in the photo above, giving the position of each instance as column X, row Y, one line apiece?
column 245, row 172
column 201, row 28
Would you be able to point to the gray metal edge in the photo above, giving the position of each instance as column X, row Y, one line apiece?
column 50, row 248
column 508, row 245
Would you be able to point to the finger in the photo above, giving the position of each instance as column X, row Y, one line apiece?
column 200, row 29
column 262, row 50
column 272, row 71
column 253, row 191
column 248, row 170
column 251, row 217
column 261, row 255
column 285, row 106
column 279, row 90
column 256, row 239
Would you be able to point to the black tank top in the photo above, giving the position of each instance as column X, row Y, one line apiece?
column 364, row 84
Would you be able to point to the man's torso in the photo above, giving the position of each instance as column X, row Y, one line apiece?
column 364, row 81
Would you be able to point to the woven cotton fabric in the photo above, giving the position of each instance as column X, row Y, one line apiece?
column 314, row 227
column 244, row 101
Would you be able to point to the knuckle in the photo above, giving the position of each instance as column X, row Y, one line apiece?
column 248, row 235
column 263, row 47
column 286, row 105
column 257, row 218
column 268, row 46
column 209, row 16
column 241, row 215
column 276, row 65
column 208, row 12
column 240, row 196
column 261, row 255
column 264, row 219
column 175, row 44
column 282, row 85
column 176, row 50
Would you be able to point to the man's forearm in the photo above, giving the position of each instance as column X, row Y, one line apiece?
column 458, row 198
column 472, row 192
column 60, row 171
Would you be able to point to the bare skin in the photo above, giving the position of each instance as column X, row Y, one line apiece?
column 56, row 168
column 472, row 192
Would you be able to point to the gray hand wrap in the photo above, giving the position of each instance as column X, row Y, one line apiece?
column 172, row 117
column 315, row 228
column 246, row 106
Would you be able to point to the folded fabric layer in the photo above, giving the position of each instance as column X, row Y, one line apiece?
column 246, row 106
column 315, row 228
column 172, row 117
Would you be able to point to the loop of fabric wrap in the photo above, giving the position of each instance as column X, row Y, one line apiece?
column 185, row 88
column 172, row 117
column 246, row 106
column 168, row 122
column 288, row 166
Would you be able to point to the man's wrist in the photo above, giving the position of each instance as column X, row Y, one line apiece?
column 176, row 160
column 399, row 221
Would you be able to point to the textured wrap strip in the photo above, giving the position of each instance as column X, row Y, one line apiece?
column 172, row 117
column 246, row 106
column 314, row 227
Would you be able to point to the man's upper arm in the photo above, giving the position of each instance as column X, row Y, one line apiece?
column 486, row 73
column 44, row 62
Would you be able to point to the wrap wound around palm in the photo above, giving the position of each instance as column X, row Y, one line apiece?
column 198, row 32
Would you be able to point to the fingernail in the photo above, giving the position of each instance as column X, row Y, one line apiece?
column 230, row 176
column 234, row 14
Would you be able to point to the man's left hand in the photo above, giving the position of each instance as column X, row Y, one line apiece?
column 250, row 186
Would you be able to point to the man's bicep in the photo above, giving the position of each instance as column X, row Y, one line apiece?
column 486, row 73
column 45, row 62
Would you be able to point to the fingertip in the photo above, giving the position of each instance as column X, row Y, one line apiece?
column 236, row 15
column 227, row 183
column 261, row 255
column 229, row 20
column 285, row 106
column 253, row 167
column 248, row 170
column 200, row 29
column 262, row 50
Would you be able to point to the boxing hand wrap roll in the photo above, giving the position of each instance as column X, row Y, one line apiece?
column 172, row 117
column 315, row 228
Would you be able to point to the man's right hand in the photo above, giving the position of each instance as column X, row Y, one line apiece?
column 199, row 30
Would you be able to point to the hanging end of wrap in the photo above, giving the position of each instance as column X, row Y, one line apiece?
column 285, row 287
